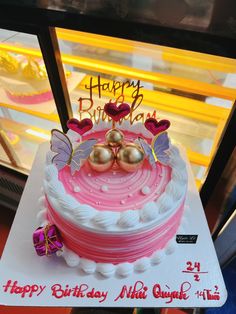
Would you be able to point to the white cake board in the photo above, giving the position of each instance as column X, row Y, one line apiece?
column 48, row 106
column 20, row 263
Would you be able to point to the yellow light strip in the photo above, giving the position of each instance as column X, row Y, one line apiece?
column 190, row 86
column 180, row 112
column 40, row 134
column 219, row 132
column 99, row 66
column 51, row 117
column 198, row 159
column 21, row 50
column 168, row 102
column 198, row 183
column 185, row 57
column 189, row 107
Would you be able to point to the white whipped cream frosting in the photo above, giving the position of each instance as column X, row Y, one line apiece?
column 121, row 270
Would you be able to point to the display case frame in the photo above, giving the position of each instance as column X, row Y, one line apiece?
column 42, row 21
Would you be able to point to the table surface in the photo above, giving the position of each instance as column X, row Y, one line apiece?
column 189, row 277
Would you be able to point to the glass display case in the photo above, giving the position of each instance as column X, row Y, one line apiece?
column 194, row 91
column 186, row 76
column 27, row 108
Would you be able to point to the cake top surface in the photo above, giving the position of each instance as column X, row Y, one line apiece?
column 121, row 182
column 116, row 189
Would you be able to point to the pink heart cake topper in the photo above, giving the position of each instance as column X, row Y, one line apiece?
column 116, row 112
column 80, row 127
column 155, row 127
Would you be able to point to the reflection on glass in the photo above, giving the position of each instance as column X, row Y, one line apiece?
column 27, row 108
column 24, row 79
column 21, row 135
column 187, row 14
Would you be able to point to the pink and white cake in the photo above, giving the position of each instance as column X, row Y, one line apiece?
column 24, row 80
column 115, row 222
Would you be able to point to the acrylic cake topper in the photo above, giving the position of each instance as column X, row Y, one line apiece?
column 101, row 157
column 117, row 112
column 158, row 150
column 88, row 106
column 156, row 127
column 66, row 155
column 80, row 127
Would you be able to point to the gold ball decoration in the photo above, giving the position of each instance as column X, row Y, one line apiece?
column 114, row 138
column 130, row 157
column 101, row 158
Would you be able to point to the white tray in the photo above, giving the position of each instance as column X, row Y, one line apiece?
column 21, row 264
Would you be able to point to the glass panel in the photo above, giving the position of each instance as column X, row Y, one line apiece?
column 148, row 57
column 27, row 108
column 194, row 91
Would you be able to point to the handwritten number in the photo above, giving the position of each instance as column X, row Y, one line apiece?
column 190, row 267
column 196, row 277
column 197, row 265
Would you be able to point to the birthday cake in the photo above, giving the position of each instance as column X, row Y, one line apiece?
column 113, row 195
column 24, row 80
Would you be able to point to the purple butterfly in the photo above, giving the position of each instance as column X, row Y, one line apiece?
column 61, row 144
column 157, row 150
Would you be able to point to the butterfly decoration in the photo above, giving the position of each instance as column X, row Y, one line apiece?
column 157, row 151
column 66, row 155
